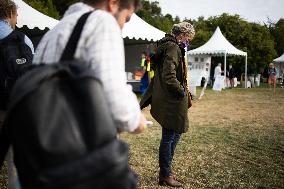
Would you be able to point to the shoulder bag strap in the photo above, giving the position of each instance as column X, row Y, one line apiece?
column 70, row 48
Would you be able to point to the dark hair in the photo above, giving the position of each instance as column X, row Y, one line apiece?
column 6, row 8
column 123, row 4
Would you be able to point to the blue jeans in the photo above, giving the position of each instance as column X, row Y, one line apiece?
column 167, row 149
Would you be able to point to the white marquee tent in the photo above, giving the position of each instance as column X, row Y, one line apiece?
column 218, row 45
column 136, row 28
column 32, row 18
column 279, row 59
column 278, row 64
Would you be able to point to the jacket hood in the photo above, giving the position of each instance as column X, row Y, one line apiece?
column 167, row 38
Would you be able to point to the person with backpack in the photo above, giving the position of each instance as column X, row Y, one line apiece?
column 64, row 114
column 101, row 45
column 16, row 50
column 16, row 53
column 169, row 96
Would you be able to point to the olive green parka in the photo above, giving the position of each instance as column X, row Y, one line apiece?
column 167, row 93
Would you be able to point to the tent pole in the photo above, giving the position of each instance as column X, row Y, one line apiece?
column 225, row 69
column 246, row 70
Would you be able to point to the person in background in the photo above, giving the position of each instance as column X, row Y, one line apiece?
column 143, row 58
column 217, row 71
column 272, row 79
column 168, row 96
column 8, row 21
column 146, row 67
column 101, row 45
column 231, row 75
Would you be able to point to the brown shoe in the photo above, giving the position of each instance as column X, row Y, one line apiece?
column 169, row 181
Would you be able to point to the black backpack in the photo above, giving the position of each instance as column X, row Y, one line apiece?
column 61, row 128
column 15, row 59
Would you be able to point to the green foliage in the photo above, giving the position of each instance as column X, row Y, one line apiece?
column 46, row 7
column 277, row 30
column 151, row 13
column 52, row 11
column 52, row 8
column 62, row 5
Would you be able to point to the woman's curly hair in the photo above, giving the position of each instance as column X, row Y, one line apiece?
column 6, row 8
column 183, row 27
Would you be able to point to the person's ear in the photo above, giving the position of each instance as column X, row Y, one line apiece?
column 11, row 14
column 113, row 6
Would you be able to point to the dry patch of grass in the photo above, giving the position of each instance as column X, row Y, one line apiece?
column 3, row 177
column 236, row 140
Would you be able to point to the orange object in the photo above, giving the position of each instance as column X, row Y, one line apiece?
column 138, row 75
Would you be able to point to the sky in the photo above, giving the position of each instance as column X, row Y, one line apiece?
column 250, row 10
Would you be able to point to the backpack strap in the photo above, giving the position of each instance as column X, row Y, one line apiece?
column 14, row 36
column 69, row 51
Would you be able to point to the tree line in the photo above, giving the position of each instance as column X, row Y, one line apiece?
column 262, row 41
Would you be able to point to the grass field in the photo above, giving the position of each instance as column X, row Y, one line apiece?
column 235, row 140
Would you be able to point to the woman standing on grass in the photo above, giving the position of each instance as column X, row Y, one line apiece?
column 168, row 95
